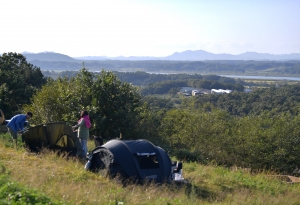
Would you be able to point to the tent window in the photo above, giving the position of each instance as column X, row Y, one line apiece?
column 65, row 141
column 147, row 161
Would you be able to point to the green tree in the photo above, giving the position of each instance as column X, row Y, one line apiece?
column 113, row 106
column 54, row 102
column 117, row 106
column 150, row 121
column 19, row 81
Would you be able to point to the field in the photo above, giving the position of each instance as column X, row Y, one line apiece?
column 46, row 178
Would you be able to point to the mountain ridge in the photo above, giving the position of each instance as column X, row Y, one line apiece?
column 188, row 55
column 201, row 55
column 48, row 56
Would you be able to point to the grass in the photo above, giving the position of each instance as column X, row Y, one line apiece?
column 62, row 180
column 14, row 193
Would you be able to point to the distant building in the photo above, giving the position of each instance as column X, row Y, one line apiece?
column 189, row 91
column 220, row 91
column 186, row 94
column 196, row 92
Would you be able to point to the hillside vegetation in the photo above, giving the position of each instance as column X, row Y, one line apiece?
column 48, row 178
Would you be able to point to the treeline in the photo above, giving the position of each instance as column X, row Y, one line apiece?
column 152, row 84
column 284, row 98
column 173, row 87
column 141, row 78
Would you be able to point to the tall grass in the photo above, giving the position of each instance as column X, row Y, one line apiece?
column 14, row 193
column 64, row 180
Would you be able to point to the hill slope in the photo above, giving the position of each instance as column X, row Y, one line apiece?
column 66, row 181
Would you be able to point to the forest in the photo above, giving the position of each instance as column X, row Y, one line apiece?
column 258, row 130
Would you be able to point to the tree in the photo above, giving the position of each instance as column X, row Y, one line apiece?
column 19, row 81
column 117, row 106
column 113, row 106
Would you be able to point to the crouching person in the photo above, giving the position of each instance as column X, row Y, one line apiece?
column 16, row 124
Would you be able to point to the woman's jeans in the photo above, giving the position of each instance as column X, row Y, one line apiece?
column 83, row 143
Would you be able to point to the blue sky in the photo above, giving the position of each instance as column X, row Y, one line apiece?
column 149, row 27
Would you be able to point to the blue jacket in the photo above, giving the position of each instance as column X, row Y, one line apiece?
column 17, row 122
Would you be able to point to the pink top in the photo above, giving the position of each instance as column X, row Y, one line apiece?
column 87, row 121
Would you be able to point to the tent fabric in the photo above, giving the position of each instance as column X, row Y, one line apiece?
column 54, row 135
column 126, row 157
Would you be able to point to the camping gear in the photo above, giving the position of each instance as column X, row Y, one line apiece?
column 138, row 160
column 54, row 135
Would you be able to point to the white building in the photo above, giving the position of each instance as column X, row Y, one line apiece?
column 196, row 92
column 220, row 91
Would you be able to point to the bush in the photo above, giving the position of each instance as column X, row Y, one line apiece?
column 189, row 156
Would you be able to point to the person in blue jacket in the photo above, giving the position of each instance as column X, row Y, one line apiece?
column 16, row 124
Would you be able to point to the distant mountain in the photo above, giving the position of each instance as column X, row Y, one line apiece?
column 250, row 63
column 48, row 56
column 201, row 55
column 188, row 55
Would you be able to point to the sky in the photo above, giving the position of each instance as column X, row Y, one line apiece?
column 149, row 27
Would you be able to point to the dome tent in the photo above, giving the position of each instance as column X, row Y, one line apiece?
column 54, row 135
column 134, row 159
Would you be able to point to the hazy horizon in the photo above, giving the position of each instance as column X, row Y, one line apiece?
column 153, row 28
column 27, row 52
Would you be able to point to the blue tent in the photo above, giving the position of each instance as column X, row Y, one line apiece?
column 135, row 159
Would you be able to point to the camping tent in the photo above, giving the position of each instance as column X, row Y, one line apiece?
column 136, row 159
column 55, row 135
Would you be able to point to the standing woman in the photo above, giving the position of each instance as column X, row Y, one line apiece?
column 83, row 126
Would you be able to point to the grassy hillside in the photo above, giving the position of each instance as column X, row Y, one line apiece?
column 53, row 179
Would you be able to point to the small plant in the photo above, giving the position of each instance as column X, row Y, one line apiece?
column 14, row 193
